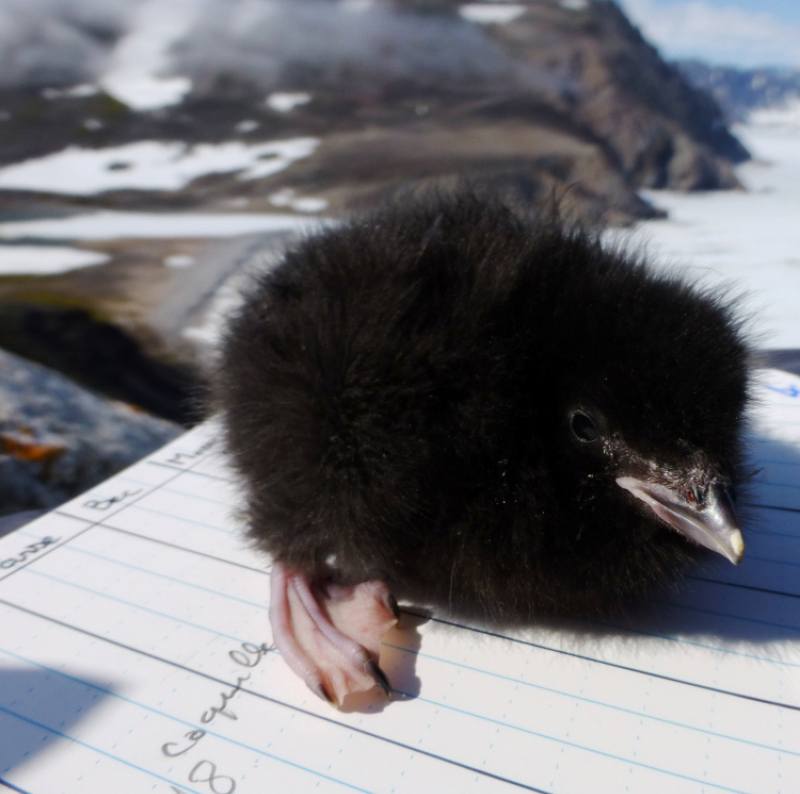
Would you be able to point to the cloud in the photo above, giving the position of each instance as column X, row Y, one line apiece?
column 269, row 44
column 717, row 33
column 304, row 44
column 56, row 42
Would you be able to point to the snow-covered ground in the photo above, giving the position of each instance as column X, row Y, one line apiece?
column 150, row 165
column 289, row 198
column 41, row 260
column 111, row 224
column 749, row 239
column 179, row 260
column 492, row 13
column 286, row 101
column 79, row 91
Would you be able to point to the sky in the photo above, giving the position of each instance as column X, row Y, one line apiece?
column 742, row 33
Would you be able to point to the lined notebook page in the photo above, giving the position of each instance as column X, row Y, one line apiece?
column 135, row 656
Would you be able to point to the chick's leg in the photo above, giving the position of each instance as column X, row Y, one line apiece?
column 330, row 636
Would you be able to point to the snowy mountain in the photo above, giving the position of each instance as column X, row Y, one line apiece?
column 536, row 95
column 741, row 91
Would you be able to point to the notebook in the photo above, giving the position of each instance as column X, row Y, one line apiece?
column 136, row 656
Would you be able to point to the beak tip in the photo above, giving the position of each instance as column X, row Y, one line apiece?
column 737, row 547
column 714, row 526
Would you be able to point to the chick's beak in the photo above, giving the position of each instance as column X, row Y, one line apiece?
column 711, row 523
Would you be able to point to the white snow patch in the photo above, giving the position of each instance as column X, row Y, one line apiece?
column 93, row 124
column 748, row 239
column 110, row 225
column 136, row 75
column 784, row 117
column 40, row 260
column 357, row 5
column 278, row 155
column 288, row 198
column 179, row 260
column 247, row 125
column 150, row 165
column 310, row 204
column 73, row 92
column 494, row 14
column 284, row 101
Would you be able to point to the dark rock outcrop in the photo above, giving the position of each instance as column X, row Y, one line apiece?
column 663, row 132
column 101, row 357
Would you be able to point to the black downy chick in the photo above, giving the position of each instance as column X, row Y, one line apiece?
column 500, row 417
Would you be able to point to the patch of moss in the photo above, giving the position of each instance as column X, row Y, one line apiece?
column 34, row 109
column 107, row 108
column 23, row 290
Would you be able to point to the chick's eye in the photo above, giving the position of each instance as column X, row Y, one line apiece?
column 583, row 426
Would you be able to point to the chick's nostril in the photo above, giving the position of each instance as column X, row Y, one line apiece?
column 695, row 495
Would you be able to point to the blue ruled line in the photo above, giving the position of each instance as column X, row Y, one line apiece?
column 696, row 644
column 769, row 483
column 788, row 627
column 582, row 698
column 185, row 723
column 13, row 787
column 134, row 605
column 78, row 550
column 574, row 745
column 55, row 732
column 627, row 629
column 216, row 528
column 202, row 498
column 562, row 693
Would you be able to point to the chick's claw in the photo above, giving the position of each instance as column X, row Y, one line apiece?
column 331, row 636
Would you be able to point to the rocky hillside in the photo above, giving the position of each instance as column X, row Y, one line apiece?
column 661, row 131
column 539, row 98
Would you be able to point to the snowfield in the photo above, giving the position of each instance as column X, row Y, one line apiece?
column 150, row 165
column 491, row 13
column 284, row 101
column 111, row 225
column 43, row 260
column 746, row 240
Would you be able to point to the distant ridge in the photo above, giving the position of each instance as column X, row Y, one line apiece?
column 741, row 91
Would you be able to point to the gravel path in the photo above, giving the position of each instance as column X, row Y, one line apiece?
column 191, row 292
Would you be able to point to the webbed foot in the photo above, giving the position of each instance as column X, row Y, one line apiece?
column 330, row 636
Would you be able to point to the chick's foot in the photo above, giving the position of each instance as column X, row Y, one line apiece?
column 330, row 635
